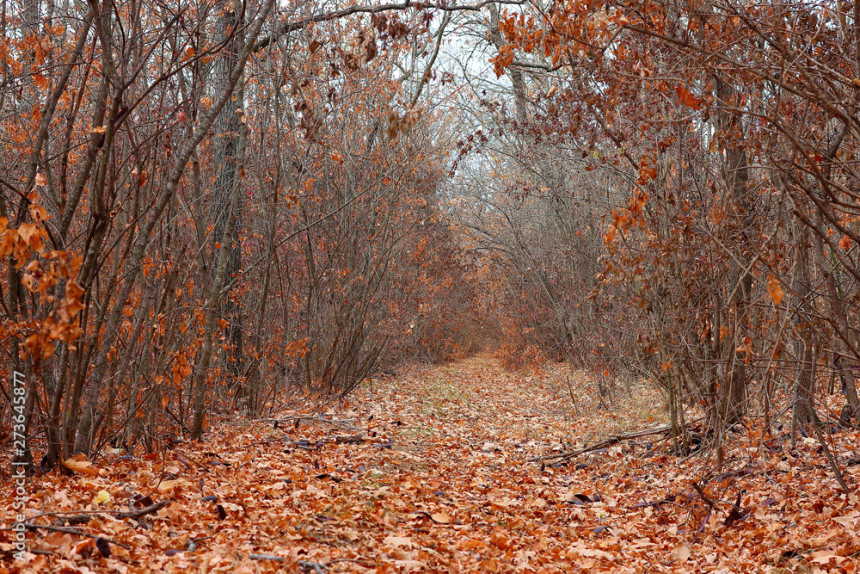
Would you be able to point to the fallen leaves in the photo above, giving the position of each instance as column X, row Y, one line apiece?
column 681, row 553
column 398, row 542
column 101, row 497
column 453, row 491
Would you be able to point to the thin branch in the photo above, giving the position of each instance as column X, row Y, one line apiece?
column 289, row 27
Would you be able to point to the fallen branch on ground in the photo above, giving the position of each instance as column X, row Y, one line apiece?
column 72, row 518
column 76, row 531
column 603, row 444
column 357, row 439
column 309, row 418
column 255, row 556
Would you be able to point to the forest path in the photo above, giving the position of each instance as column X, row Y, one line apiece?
column 475, row 405
column 428, row 472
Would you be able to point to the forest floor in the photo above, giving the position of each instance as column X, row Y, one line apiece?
column 442, row 482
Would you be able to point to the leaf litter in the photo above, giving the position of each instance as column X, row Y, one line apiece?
column 430, row 472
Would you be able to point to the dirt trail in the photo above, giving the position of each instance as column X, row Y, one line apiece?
column 441, row 483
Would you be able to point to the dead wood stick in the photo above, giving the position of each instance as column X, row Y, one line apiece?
column 356, row 439
column 84, row 518
column 76, row 531
column 255, row 556
column 309, row 565
column 603, row 444
column 705, row 498
column 833, row 465
column 316, row 419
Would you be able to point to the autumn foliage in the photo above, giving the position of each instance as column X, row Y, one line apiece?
column 239, row 217
column 214, row 213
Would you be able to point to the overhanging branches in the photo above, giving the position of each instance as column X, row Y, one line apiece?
column 289, row 27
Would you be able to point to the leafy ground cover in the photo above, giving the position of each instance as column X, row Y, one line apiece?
column 433, row 470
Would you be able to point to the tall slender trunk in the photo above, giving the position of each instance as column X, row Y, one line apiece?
column 733, row 390
column 214, row 299
column 803, row 410
column 227, row 127
column 840, row 318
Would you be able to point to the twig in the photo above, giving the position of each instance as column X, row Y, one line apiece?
column 31, row 551
column 183, row 456
column 297, row 419
column 315, row 566
column 365, row 563
column 357, row 439
column 835, row 467
column 572, row 396
column 77, row 531
column 604, row 444
column 702, row 495
column 84, row 518
column 254, row 556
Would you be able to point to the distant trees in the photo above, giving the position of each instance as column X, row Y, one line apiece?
column 724, row 137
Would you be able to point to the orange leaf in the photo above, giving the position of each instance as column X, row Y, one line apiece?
column 441, row 518
column 776, row 292
column 79, row 464
column 686, row 98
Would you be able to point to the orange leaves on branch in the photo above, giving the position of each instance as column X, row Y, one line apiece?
column 71, row 304
column 20, row 243
column 297, row 349
column 62, row 322
column 775, row 289
column 181, row 368
column 637, row 202
column 38, row 213
column 686, row 98
column 647, row 172
column 503, row 60
column 399, row 124
column 609, row 236
column 189, row 55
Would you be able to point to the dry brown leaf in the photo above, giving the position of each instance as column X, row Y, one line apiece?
column 681, row 553
column 78, row 463
column 441, row 517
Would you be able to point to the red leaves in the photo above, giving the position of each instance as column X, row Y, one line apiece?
column 647, row 172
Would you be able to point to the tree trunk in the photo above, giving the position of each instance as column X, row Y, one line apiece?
column 226, row 143
column 733, row 391
column 803, row 411
column 214, row 298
